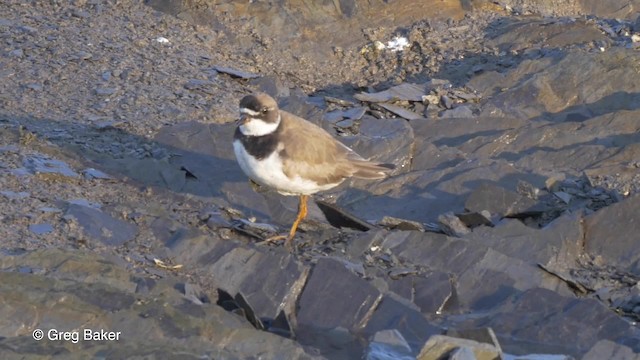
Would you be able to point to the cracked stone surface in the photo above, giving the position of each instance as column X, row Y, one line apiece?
column 508, row 226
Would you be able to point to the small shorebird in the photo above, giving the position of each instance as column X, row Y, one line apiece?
column 294, row 156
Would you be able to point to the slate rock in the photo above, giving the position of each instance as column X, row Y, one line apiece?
column 40, row 229
column 462, row 353
column 235, row 73
column 612, row 232
column 452, row 225
column 439, row 346
column 12, row 195
column 549, row 32
column 345, row 123
column 404, row 92
column 475, row 219
column 271, row 85
column 101, row 226
column 346, row 301
column 432, row 291
column 557, row 245
column 498, row 200
column 42, row 164
column 266, row 280
column 540, row 321
column 607, row 349
column 402, row 112
column 91, row 173
column 530, row 96
column 198, row 84
column 383, row 140
column 388, row 345
column 340, row 218
column 361, row 243
column 396, row 313
column 250, row 314
column 481, row 335
column 105, row 91
column 393, row 223
column 333, row 116
column 75, row 293
column 355, row 113
column 77, row 265
column 462, row 111
column 446, row 101
column 485, row 278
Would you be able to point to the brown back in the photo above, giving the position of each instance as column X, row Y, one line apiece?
column 313, row 154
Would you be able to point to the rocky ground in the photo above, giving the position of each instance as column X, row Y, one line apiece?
column 508, row 228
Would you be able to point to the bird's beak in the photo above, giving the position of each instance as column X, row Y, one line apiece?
column 243, row 119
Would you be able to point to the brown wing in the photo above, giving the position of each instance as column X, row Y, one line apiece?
column 313, row 154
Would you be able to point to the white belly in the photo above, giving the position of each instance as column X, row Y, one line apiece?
column 269, row 172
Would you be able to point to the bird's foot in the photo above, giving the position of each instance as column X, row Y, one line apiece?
column 288, row 241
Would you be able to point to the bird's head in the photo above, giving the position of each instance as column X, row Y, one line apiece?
column 259, row 115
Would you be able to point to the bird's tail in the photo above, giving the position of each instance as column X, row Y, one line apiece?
column 368, row 170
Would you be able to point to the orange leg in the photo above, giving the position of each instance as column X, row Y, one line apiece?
column 302, row 213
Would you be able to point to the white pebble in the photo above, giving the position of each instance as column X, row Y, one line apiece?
column 398, row 43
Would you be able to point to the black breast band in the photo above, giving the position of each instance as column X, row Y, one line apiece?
column 259, row 147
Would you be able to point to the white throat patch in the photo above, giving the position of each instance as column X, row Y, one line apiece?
column 257, row 127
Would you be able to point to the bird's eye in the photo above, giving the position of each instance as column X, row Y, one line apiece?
column 265, row 110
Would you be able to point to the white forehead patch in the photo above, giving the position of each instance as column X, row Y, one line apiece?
column 248, row 112
column 257, row 127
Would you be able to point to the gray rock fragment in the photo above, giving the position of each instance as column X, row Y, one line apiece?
column 41, row 164
column 446, row 101
column 391, row 222
column 198, row 84
column 17, row 53
column 612, row 234
column 462, row 353
column 481, row 335
column 91, row 173
column 333, row 116
column 251, row 272
column 346, row 302
column 400, row 111
column 452, row 225
column 433, row 292
column 12, row 195
column 607, row 349
column 388, row 345
column 40, row 229
column 345, row 123
column 406, row 92
column 105, row 91
column 474, row 219
column 195, row 294
column 566, row 198
column 101, row 226
column 271, row 85
column 340, row 218
column 235, row 73
column 461, row 111
column 396, row 313
column 498, row 200
column 439, row 346
column 355, row 113
column 341, row 102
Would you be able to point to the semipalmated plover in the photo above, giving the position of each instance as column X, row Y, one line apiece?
column 294, row 156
